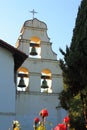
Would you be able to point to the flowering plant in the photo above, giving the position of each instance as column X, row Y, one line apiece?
column 16, row 125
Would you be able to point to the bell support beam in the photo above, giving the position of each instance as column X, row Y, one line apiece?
column 22, row 75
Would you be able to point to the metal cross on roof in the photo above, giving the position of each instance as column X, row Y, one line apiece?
column 33, row 12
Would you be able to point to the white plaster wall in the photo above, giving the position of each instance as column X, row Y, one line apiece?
column 7, row 89
column 24, row 46
column 6, row 121
column 27, row 34
column 29, row 105
column 36, row 23
column 34, row 84
column 47, row 52
column 37, row 65
column 57, row 84
column 35, row 28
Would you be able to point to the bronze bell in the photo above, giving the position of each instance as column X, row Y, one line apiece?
column 33, row 51
column 21, row 83
column 44, row 84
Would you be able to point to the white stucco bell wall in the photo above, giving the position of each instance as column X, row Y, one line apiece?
column 35, row 66
column 30, row 102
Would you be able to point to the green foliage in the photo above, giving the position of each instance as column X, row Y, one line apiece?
column 75, row 108
column 80, row 30
column 64, row 99
column 74, row 68
column 74, row 64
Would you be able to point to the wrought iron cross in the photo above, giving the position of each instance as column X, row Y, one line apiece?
column 33, row 12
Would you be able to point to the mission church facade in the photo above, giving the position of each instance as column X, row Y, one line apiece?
column 38, row 79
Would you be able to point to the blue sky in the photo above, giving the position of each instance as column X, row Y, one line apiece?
column 59, row 15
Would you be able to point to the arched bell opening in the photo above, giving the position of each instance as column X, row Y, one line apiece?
column 23, row 79
column 35, row 49
column 46, row 81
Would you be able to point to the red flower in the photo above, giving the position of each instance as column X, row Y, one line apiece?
column 60, row 127
column 36, row 120
column 66, row 119
column 43, row 113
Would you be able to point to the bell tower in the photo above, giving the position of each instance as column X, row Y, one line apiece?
column 42, row 61
column 41, row 74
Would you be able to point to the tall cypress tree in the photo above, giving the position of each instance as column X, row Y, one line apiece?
column 74, row 64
